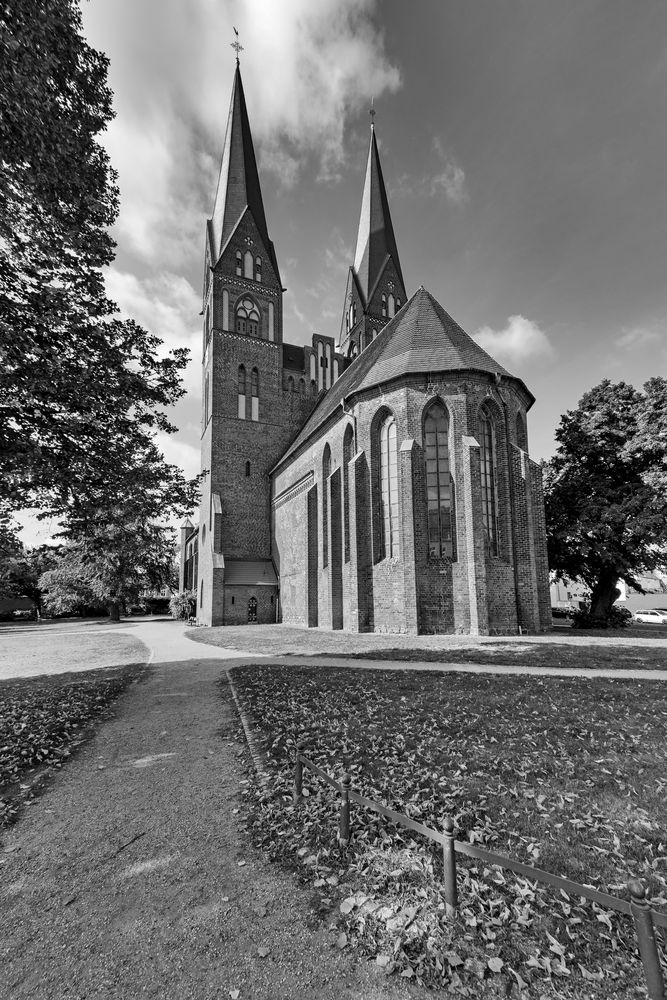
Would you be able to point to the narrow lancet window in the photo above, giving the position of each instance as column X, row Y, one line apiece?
column 487, row 455
column 254, row 394
column 389, row 488
column 241, row 393
column 439, row 485
column 326, row 472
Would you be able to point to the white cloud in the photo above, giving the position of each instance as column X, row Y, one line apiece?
column 521, row 340
column 178, row 452
column 637, row 337
column 450, row 179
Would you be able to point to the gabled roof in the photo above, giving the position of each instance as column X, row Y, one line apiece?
column 375, row 237
column 421, row 339
column 238, row 184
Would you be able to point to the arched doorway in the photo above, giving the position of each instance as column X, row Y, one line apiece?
column 252, row 609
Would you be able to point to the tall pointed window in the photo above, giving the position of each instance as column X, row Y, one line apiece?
column 258, row 268
column 239, row 263
column 487, row 454
column 241, row 393
column 439, row 485
column 390, row 305
column 326, row 472
column 247, row 264
column 348, row 447
column 384, row 304
column 254, row 394
column 247, row 318
column 389, row 487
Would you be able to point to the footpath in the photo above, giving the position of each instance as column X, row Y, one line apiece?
column 131, row 876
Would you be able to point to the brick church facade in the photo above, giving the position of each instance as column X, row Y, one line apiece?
column 380, row 482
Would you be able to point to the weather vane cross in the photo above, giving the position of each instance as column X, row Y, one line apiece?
column 236, row 45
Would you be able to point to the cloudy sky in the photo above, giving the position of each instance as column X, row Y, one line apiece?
column 524, row 147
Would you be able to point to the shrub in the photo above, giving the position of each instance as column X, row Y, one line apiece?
column 183, row 606
column 618, row 617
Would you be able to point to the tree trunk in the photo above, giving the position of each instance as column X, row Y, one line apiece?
column 603, row 596
column 114, row 611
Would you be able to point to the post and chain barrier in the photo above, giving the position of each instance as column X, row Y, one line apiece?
column 646, row 919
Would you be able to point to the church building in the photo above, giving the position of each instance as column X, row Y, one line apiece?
column 379, row 481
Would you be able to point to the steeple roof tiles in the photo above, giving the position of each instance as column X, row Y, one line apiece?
column 421, row 339
column 375, row 236
column 238, row 184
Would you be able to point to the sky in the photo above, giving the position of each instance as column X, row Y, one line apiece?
column 523, row 145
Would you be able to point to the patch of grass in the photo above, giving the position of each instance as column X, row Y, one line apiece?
column 44, row 719
column 574, row 656
column 568, row 775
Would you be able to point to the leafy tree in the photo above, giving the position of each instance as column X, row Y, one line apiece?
column 20, row 573
column 605, row 490
column 81, row 391
column 114, row 564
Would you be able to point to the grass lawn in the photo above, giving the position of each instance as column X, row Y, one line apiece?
column 43, row 720
column 569, row 775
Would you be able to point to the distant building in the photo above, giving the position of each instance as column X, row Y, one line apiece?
column 380, row 483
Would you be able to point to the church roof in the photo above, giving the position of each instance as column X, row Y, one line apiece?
column 238, row 184
column 421, row 339
column 375, row 237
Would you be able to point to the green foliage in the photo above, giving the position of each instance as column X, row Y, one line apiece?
column 618, row 617
column 113, row 564
column 565, row 775
column 81, row 391
column 606, row 499
column 42, row 720
column 183, row 606
column 21, row 569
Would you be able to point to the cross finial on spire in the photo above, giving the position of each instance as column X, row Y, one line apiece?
column 372, row 112
column 236, row 45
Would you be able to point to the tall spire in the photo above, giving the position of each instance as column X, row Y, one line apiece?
column 238, row 183
column 375, row 237
column 375, row 286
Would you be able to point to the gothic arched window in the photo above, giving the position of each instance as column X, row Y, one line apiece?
column 302, row 386
column 247, row 318
column 326, row 472
column 384, row 304
column 487, row 456
column 254, row 394
column 247, row 469
column 348, row 448
column 389, row 487
column 247, row 264
column 239, row 263
column 521, row 434
column 241, row 392
column 258, row 268
column 290, row 384
column 439, row 485
column 391, row 305
column 398, row 304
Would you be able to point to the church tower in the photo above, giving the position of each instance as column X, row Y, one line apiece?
column 247, row 421
column 375, row 288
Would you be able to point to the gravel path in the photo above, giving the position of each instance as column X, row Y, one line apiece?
column 131, row 877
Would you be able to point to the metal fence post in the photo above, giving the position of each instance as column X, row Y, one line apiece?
column 297, row 794
column 648, row 948
column 344, row 827
column 449, row 865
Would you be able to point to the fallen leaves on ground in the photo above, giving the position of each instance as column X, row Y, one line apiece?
column 42, row 721
column 564, row 774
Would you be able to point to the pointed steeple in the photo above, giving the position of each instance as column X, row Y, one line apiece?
column 238, row 183
column 375, row 286
column 375, row 237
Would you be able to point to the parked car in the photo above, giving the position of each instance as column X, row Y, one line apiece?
column 563, row 610
column 658, row 616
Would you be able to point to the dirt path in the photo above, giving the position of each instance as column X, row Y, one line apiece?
column 130, row 876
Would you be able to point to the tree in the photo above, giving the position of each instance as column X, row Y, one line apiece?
column 81, row 391
column 21, row 570
column 606, row 496
column 114, row 564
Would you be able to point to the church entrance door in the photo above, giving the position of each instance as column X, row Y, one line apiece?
column 252, row 609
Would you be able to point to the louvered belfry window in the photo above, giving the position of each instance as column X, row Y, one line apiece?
column 439, row 484
column 389, row 487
